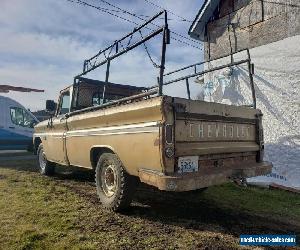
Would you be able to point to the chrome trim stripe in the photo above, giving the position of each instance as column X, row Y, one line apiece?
column 112, row 133
column 149, row 127
column 121, row 127
column 55, row 135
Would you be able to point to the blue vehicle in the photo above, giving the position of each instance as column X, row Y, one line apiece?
column 16, row 125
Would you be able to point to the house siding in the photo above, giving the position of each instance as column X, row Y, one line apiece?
column 254, row 23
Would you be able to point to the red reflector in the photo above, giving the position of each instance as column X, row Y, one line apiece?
column 169, row 133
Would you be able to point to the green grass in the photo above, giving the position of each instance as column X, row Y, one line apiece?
column 278, row 204
column 63, row 212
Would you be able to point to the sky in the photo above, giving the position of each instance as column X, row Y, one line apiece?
column 44, row 43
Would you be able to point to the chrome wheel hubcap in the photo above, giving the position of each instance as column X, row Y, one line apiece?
column 108, row 179
column 42, row 160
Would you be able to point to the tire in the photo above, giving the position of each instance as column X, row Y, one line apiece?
column 115, row 187
column 46, row 167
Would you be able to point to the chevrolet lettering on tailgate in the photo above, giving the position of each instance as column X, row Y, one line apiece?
column 206, row 130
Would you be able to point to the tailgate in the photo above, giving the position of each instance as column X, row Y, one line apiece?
column 212, row 144
column 203, row 128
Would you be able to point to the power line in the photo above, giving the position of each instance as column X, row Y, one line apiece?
column 169, row 11
column 137, row 16
column 101, row 9
column 148, row 53
column 128, row 20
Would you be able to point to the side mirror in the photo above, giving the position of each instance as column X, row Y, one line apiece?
column 50, row 106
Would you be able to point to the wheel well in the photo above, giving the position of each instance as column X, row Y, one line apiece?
column 37, row 142
column 96, row 152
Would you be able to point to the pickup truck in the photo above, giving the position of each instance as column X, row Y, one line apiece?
column 130, row 134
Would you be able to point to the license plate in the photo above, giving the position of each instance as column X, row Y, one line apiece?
column 188, row 164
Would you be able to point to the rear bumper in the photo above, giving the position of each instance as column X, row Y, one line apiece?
column 198, row 180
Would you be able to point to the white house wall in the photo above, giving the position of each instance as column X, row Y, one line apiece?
column 277, row 85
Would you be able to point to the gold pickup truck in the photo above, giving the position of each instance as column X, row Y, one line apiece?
column 174, row 144
column 128, row 134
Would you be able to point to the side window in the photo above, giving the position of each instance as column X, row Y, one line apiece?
column 29, row 122
column 17, row 116
column 64, row 104
column 21, row 117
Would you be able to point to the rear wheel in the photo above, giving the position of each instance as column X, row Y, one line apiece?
column 115, row 187
column 46, row 167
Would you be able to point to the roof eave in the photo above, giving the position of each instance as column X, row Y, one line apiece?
column 198, row 27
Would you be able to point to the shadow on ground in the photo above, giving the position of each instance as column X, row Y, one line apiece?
column 193, row 210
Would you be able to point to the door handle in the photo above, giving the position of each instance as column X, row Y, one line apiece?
column 12, row 127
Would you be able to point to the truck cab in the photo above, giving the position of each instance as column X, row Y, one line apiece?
column 83, row 96
column 86, row 93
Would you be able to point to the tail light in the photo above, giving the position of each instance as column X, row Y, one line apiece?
column 169, row 133
column 169, row 139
